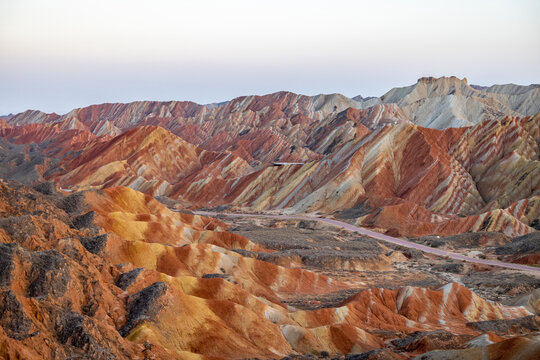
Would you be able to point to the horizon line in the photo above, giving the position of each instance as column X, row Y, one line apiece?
column 223, row 102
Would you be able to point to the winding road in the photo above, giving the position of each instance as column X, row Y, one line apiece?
column 373, row 234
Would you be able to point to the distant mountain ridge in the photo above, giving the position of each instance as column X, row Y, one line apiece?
column 432, row 102
column 300, row 128
column 445, row 102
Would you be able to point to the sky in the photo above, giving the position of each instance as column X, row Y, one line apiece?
column 56, row 55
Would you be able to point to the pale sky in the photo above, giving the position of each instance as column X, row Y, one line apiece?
column 60, row 54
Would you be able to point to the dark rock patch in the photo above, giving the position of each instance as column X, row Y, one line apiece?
column 31, row 196
column 497, row 287
column 430, row 340
column 454, row 268
column 75, row 330
column 530, row 323
column 226, row 277
column 378, row 354
column 49, row 274
column 309, row 224
column 215, row 276
column 142, row 306
column 94, row 244
column 409, row 253
column 72, row 204
column 83, row 221
column 464, row 241
column 6, row 263
column 19, row 228
column 526, row 244
column 46, row 188
column 90, row 308
column 70, row 329
column 332, row 145
column 12, row 318
column 360, row 209
column 503, row 283
column 126, row 279
column 219, row 208
column 297, row 357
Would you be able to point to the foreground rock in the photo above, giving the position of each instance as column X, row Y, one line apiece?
column 138, row 280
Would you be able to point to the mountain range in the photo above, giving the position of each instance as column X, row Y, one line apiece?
column 103, row 257
column 374, row 164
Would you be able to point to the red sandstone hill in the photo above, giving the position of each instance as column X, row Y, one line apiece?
column 402, row 178
column 151, row 159
column 290, row 127
column 115, row 274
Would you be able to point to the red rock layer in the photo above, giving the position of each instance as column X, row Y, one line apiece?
column 449, row 307
column 150, row 159
column 276, row 126
column 165, row 284
column 434, row 181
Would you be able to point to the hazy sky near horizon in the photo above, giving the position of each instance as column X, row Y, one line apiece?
column 60, row 54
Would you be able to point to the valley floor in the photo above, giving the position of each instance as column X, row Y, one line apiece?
column 367, row 262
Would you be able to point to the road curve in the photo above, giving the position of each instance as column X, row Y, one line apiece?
column 382, row 237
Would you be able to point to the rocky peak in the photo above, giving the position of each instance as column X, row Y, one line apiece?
column 432, row 80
